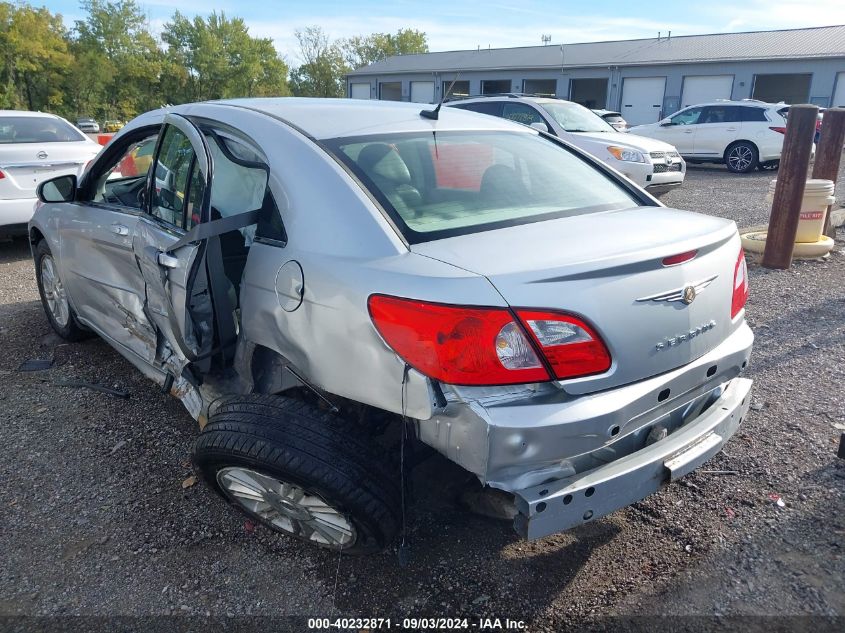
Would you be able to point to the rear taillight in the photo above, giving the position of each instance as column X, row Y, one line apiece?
column 487, row 346
column 779, row 130
column 570, row 346
column 2, row 175
column 740, row 292
column 457, row 345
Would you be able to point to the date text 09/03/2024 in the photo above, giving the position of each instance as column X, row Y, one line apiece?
column 416, row 624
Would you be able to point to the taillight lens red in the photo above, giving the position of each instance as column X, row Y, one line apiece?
column 487, row 346
column 740, row 292
column 570, row 346
column 2, row 175
column 457, row 345
column 780, row 130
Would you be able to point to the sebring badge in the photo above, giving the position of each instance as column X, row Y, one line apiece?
column 676, row 340
column 687, row 294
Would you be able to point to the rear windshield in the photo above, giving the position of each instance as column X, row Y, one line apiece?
column 37, row 129
column 437, row 185
column 573, row 117
column 613, row 118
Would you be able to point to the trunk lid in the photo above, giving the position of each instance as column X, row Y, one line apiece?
column 607, row 268
column 26, row 165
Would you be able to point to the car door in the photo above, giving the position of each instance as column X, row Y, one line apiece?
column 717, row 127
column 681, row 130
column 169, row 260
column 96, row 258
column 176, row 244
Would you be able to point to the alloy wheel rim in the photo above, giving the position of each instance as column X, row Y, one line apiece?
column 54, row 291
column 740, row 157
column 287, row 507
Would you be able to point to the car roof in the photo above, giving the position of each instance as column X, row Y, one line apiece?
column 334, row 118
column 27, row 113
column 750, row 103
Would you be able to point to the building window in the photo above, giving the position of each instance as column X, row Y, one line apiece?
column 495, row 86
column 540, row 87
column 390, row 91
column 459, row 89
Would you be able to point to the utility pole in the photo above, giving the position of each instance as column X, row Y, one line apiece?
column 789, row 191
column 829, row 154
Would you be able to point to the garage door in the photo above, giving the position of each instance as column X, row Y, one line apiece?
column 642, row 99
column 359, row 91
column 422, row 91
column 706, row 88
column 839, row 93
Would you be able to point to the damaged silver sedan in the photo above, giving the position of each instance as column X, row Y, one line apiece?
column 308, row 275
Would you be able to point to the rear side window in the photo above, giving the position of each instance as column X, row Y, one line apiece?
column 453, row 183
column 37, row 129
column 240, row 184
column 721, row 114
column 754, row 114
column 521, row 113
column 493, row 108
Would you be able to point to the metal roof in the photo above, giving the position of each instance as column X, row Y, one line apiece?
column 818, row 42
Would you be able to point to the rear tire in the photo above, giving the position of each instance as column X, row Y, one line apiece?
column 54, row 298
column 300, row 471
column 741, row 157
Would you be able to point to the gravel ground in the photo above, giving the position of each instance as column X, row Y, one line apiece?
column 95, row 517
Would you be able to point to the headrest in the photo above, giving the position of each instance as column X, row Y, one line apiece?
column 383, row 161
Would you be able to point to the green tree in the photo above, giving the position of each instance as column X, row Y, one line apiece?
column 220, row 60
column 115, row 43
column 35, row 57
column 363, row 50
column 323, row 69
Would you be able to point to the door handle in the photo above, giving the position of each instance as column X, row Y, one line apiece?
column 687, row 131
column 731, row 129
column 119, row 229
column 168, row 261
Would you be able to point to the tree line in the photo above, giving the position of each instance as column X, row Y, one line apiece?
column 110, row 65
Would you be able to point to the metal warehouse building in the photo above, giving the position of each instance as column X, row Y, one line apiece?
column 643, row 79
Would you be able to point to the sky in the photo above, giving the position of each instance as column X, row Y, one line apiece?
column 465, row 24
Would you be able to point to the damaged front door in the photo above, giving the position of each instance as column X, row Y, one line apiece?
column 171, row 260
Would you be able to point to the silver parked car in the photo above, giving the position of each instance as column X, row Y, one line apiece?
column 304, row 274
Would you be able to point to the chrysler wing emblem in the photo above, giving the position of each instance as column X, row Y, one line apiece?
column 687, row 294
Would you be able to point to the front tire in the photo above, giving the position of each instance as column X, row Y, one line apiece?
column 741, row 157
column 300, row 471
column 54, row 297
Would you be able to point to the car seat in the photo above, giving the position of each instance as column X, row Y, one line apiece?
column 384, row 166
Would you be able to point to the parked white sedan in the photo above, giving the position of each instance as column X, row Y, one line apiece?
column 34, row 147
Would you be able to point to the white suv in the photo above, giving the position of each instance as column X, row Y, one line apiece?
column 653, row 165
column 741, row 134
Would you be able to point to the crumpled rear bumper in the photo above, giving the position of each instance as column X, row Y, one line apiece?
column 560, row 505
